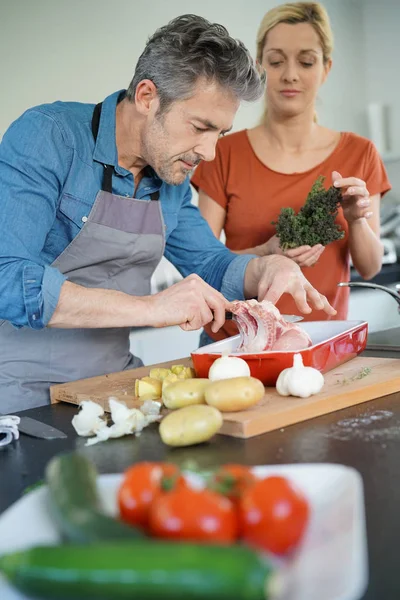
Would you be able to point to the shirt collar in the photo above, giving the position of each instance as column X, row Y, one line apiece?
column 105, row 150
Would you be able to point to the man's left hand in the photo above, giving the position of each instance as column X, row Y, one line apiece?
column 269, row 277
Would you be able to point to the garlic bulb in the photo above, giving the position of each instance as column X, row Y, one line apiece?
column 228, row 367
column 299, row 380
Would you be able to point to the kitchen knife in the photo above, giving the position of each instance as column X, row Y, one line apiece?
column 38, row 429
column 288, row 318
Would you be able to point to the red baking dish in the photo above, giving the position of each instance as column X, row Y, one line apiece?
column 334, row 342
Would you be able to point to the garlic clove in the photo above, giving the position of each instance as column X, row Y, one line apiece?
column 281, row 384
column 89, row 419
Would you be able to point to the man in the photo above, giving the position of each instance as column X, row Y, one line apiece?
column 93, row 196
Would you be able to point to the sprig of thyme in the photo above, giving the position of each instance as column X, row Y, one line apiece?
column 360, row 375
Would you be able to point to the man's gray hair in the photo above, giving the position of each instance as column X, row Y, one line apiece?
column 190, row 47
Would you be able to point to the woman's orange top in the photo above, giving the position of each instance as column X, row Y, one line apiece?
column 253, row 194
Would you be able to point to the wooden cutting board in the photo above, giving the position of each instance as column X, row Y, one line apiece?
column 343, row 387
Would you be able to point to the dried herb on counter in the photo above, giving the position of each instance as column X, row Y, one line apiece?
column 315, row 221
column 360, row 375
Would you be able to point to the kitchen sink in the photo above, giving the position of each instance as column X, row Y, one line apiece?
column 384, row 343
column 383, row 329
column 377, row 304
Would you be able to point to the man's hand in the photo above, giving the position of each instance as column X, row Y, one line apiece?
column 269, row 277
column 190, row 303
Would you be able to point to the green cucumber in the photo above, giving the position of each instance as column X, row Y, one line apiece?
column 142, row 570
column 75, row 504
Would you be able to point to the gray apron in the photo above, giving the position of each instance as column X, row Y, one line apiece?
column 118, row 248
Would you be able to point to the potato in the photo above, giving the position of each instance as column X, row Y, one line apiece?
column 234, row 394
column 145, row 397
column 183, row 372
column 148, row 386
column 190, row 425
column 184, row 392
column 187, row 373
column 159, row 373
column 168, row 380
column 176, row 369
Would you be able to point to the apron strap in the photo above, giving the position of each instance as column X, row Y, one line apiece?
column 108, row 169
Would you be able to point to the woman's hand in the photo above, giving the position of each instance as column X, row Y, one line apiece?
column 356, row 201
column 304, row 256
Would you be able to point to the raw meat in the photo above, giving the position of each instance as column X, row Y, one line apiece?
column 262, row 328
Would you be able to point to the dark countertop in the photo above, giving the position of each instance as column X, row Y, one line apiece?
column 372, row 446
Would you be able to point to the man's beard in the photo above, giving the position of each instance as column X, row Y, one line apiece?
column 172, row 171
column 168, row 168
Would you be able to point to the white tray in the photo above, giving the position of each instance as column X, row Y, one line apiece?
column 331, row 563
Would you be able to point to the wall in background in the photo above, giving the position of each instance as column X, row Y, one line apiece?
column 84, row 50
column 381, row 22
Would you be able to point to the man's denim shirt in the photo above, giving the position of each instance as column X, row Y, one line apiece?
column 50, row 173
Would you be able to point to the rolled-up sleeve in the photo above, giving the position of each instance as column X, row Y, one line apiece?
column 42, row 288
column 233, row 281
column 34, row 161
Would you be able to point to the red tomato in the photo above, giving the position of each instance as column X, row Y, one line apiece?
column 273, row 515
column 141, row 484
column 232, row 480
column 193, row 515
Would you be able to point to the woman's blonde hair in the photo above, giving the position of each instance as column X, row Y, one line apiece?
column 313, row 13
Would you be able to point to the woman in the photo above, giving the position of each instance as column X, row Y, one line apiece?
column 258, row 171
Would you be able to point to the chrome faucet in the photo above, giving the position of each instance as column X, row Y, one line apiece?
column 374, row 286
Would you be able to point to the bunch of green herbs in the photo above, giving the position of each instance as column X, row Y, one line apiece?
column 315, row 223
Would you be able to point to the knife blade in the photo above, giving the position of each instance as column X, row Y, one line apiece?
column 288, row 318
column 37, row 429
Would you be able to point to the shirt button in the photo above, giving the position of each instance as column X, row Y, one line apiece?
column 84, row 219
